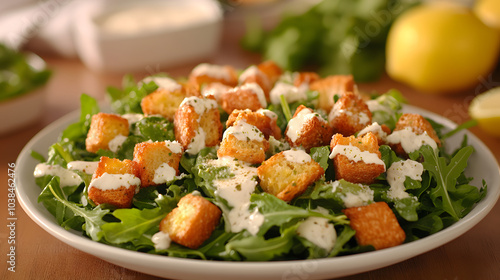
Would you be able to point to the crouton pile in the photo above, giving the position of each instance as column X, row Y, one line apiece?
column 218, row 106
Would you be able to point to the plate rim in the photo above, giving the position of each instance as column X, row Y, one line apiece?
column 316, row 268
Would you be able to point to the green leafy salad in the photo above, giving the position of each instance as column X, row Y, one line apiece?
column 17, row 76
column 313, row 224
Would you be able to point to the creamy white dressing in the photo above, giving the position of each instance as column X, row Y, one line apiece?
column 355, row 154
column 256, row 89
column 66, row 177
column 236, row 191
column 88, row 167
column 215, row 90
column 297, row 156
column 360, row 198
column 296, row 124
column 151, row 17
column 268, row 113
column 212, row 70
column 164, row 174
column 244, row 132
column 164, row 83
column 200, row 105
column 289, row 91
column 375, row 128
column 197, row 143
column 174, row 146
column 161, row 240
column 115, row 181
column 132, row 118
column 409, row 140
column 396, row 176
column 116, row 143
column 250, row 72
column 374, row 105
column 363, row 118
column 318, row 231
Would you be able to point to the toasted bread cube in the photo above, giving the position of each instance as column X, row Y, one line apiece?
column 350, row 114
column 248, row 96
column 307, row 129
column 380, row 131
column 120, row 195
column 105, row 127
column 419, row 125
column 244, row 142
column 214, row 90
column 330, row 86
column 376, row 225
column 206, row 73
column 307, row 78
column 158, row 162
column 271, row 70
column 192, row 221
column 288, row 174
column 162, row 102
column 263, row 119
column 197, row 124
column 254, row 75
column 352, row 166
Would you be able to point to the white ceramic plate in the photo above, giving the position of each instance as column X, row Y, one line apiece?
column 482, row 165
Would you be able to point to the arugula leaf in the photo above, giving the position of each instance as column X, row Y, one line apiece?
column 345, row 235
column 257, row 248
column 321, row 156
column 128, row 99
column 276, row 212
column 93, row 218
column 445, row 176
column 78, row 130
column 135, row 222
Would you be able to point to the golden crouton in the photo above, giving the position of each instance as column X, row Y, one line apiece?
column 195, row 114
column 305, row 78
column 380, row 131
column 162, row 102
column 104, row 128
column 376, row 225
column 244, row 142
column 419, row 125
column 120, row 197
column 330, row 86
column 288, row 174
column 350, row 114
column 192, row 221
column 214, row 90
column 248, row 96
column 209, row 73
column 264, row 122
column 271, row 70
column 307, row 129
column 150, row 156
column 351, row 166
column 253, row 75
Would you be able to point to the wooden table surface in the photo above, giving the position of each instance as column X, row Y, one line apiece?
column 474, row 255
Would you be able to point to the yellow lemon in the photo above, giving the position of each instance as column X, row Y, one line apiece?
column 485, row 109
column 489, row 12
column 441, row 48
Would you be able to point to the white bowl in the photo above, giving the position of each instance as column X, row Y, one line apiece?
column 482, row 165
column 24, row 109
column 130, row 36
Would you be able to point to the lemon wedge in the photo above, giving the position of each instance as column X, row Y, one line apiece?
column 485, row 109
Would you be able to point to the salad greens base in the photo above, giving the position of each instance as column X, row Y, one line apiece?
column 442, row 197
